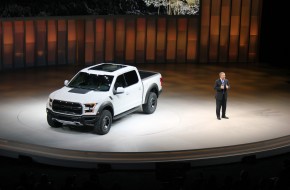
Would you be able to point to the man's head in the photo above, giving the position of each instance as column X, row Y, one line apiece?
column 222, row 75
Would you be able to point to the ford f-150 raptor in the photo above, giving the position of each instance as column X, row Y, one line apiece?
column 98, row 94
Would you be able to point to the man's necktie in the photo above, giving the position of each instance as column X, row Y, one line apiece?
column 223, row 82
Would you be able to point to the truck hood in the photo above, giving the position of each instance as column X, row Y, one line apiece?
column 78, row 95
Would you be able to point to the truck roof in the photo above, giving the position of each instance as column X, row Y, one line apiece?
column 108, row 69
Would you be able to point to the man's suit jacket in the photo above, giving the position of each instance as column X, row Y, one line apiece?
column 219, row 91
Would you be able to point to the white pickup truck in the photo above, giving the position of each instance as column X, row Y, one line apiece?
column 98, row 94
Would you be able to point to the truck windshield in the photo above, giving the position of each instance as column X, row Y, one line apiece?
column 91, row 81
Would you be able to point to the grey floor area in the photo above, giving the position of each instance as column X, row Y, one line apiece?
column 258, row 108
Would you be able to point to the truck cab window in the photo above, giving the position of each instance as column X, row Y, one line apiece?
column 131, row 78
column 120, row 82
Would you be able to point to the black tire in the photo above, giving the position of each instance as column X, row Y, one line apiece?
column 103, row 125
column 53, row 123
column 151, row 104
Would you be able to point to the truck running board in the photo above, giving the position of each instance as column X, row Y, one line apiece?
column 126, row 112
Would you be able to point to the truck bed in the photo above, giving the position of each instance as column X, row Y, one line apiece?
column 146, row 74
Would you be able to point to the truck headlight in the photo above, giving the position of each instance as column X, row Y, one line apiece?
column 89, row 108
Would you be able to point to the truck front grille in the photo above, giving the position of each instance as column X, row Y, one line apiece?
column 67, row 107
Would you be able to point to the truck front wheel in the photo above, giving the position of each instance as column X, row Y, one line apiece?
column 103, row 125
column 53, row 123
column 151, row 104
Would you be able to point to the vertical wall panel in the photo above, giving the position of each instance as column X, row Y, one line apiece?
column 51, row 42
column 30, row 43
column 100, row 40
column 254, row 30
column 224, row 31
column 171, row 40
column 40, row 26
column 80, row 41
column 161, row 40
column 244, row 33
column 192, row 38
column 214, row 30
column 110, row 40
column 151, row 40
column 71, row 42
column 1, row 42
column 204, row 34
column 8, row 42
column 89, row 42
column 181, row 40
column 19, row 46
column 140, row 40
column 61, row 41
column 130, row 40
column 120, row 40
column 234, row 30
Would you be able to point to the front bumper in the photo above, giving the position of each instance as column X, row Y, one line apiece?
column 78, row 120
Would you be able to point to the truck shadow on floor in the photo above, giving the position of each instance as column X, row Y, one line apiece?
column 80, row 129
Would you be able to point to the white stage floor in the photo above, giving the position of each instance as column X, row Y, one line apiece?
column 258, row 108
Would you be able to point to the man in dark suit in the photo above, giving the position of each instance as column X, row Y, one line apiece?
column 221, row 87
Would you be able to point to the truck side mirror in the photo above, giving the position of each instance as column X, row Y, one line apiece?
column 66, row 82
column 120, row 90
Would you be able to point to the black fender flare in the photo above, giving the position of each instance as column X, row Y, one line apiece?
column 152, row 88
column 108, row 105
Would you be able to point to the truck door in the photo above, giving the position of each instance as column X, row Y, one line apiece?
column 120, row 100
column 133, row 90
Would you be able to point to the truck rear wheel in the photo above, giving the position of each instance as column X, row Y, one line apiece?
column 53, row 123
column 103, row 125
column 151, row 104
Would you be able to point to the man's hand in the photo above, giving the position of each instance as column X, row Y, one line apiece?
column 222, row 87
column 227, row 86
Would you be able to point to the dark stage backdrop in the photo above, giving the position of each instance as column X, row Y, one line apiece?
column 225, row 31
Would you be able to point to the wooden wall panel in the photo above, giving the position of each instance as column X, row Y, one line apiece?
column 192, row 39
column 30, row 43
column 1, row 42
column 71, row 41
column 51, row 42
column 171, row 40
column 61, row 41
column 226, row 31
column 19, row 48
column 41, row 40
column 130, row 41
column 8, row 41
column 89, row 42
column 80, row 52
column 100, row 40
column 151, row 40
column 214, row 30
column 140, row 40
column 234, row 30
column 244, row 33
column 254, row 29
column 181, row 40
column 120, row 40
column 161, row 40
column 229, row 30
column 204, row 30
column 110, row 40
